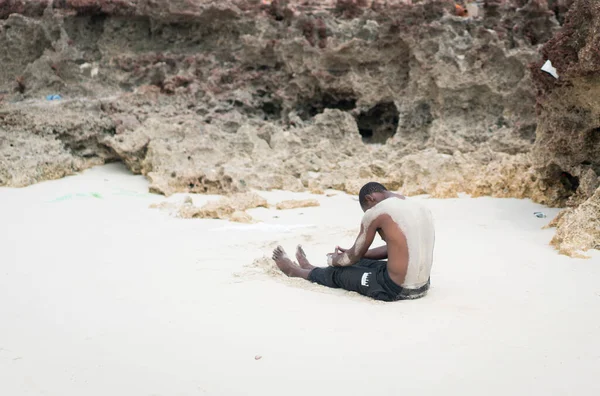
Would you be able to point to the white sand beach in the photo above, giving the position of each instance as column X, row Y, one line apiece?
column 102, row 295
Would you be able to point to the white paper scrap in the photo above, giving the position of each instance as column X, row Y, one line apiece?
column 548, row 68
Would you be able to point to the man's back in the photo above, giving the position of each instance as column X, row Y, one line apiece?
column 409, row 233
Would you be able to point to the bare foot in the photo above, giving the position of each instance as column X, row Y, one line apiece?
column 302, row 260
column 287, row 266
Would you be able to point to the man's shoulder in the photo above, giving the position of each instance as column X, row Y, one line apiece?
column 385, row 207
column 393, row 204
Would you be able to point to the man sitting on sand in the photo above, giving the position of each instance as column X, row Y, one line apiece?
column 407, row 229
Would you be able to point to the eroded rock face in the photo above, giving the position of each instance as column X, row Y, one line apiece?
column 578, row 229
column 50, row 142
column 567, row 150
column 222, row 96
column 566, row 154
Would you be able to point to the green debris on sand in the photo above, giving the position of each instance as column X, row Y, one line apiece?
column 95, row 195
column 69, row 197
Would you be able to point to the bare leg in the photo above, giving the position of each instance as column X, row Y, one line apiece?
column 287, row 266
column 302, row 260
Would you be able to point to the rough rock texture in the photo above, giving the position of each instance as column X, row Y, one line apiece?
column 294, row 204
column 220, row 96
column 229, row 208
column 578, row 229
column 224, row 96
column 567, row 150
column 58, row 141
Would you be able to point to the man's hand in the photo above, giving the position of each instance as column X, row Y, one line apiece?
column 333, row 258
column 346, row 257
column 339, row 258
column 340, row 250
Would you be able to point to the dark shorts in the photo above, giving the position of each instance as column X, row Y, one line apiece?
column 367, row 277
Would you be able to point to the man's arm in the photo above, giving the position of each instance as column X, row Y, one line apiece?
column 378, row 253
column 359, row 249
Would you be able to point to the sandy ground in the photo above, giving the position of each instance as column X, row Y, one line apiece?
column 101, row 295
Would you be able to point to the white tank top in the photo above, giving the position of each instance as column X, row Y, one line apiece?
column 416, row 222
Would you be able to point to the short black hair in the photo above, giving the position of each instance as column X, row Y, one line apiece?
column 367, row 189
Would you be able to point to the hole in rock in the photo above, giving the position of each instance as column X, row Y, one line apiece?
column 593, row 137
column 570, row 182
column 528, row 132
column 315, row 106
column 271, row 110
column 379, row 123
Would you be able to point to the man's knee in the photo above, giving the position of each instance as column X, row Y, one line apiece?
column 323, row 276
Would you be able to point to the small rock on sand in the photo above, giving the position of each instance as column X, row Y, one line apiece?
column 230, row 208
column 293, row 204
column 240, row 216
column 227, row 208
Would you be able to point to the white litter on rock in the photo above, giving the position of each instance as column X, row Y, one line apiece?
column 548, row 68
column 89, row 70
column 473, row 10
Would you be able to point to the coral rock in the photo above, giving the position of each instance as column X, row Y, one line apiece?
column 578, row 230
column 294, row 204
column 227, row 208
